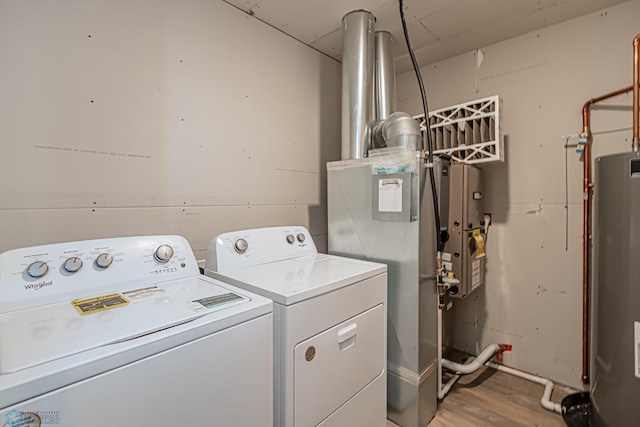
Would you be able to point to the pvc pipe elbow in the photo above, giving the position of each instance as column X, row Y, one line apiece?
column 477, row 363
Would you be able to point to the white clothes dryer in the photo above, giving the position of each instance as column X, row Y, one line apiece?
column 330, row 320
column 126, row 332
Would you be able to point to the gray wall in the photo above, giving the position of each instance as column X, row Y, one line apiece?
column 533, row 293
column 157, row 117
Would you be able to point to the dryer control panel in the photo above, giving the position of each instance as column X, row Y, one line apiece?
column 245, row 248
column 47, row 274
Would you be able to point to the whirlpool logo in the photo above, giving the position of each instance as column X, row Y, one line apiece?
column 39, row 285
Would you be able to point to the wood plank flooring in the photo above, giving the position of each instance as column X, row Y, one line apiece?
column 491, row 398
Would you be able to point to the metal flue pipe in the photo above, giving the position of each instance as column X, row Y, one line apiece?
column 385, row 77
column 357, row 82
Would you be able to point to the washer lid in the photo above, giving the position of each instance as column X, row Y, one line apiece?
column 37, row 335
column 293, row 280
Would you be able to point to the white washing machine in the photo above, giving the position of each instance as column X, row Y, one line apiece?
column 127, row 332
column 330, row 321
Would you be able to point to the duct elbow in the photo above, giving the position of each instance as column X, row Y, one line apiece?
column 397, row 130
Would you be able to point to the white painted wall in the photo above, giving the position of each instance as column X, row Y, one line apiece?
column 156, row 117
column 533, row 293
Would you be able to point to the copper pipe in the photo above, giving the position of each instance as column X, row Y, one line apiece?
column 636, row 92
column 586, row 122
column 588, row 185
column 586, row 253
column 586, row 223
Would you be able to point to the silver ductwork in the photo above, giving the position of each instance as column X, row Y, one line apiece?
column 401, row 130
column 385, row 77
column 357, row 82
column 369, row 117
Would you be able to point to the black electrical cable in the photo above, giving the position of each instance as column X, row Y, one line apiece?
column 425, row 108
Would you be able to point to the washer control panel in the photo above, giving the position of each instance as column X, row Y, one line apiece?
column 245, row 248
column 51, row 273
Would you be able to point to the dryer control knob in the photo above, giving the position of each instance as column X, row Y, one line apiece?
column 73, row 264
column 301, row 237
column 241, row 246
column 37, row 269
column 163, row 253
column 104, row 260
column 290, row 239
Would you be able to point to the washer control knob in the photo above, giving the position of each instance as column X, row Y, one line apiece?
column 290, row 239
column 37, row 269
column 301, row 237
column 241, row 246
column 73, row 264
column 104, row 260
column 163, row 253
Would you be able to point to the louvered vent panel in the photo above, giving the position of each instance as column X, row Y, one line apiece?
column 469, row 132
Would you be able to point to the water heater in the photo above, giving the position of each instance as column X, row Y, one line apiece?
column 615, row 361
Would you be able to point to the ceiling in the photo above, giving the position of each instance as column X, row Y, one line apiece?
column 438, row 29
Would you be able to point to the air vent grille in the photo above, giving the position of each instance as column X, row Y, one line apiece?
column 469, row 133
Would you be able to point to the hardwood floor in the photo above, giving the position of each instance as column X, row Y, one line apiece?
column 491, row 398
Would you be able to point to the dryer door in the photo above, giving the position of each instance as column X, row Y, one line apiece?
column 334, row 365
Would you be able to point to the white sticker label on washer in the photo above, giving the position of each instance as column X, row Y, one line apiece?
column 446, row 256
column 149, row 291
column 214, row 301
column 390, row 195
column 636, row 347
